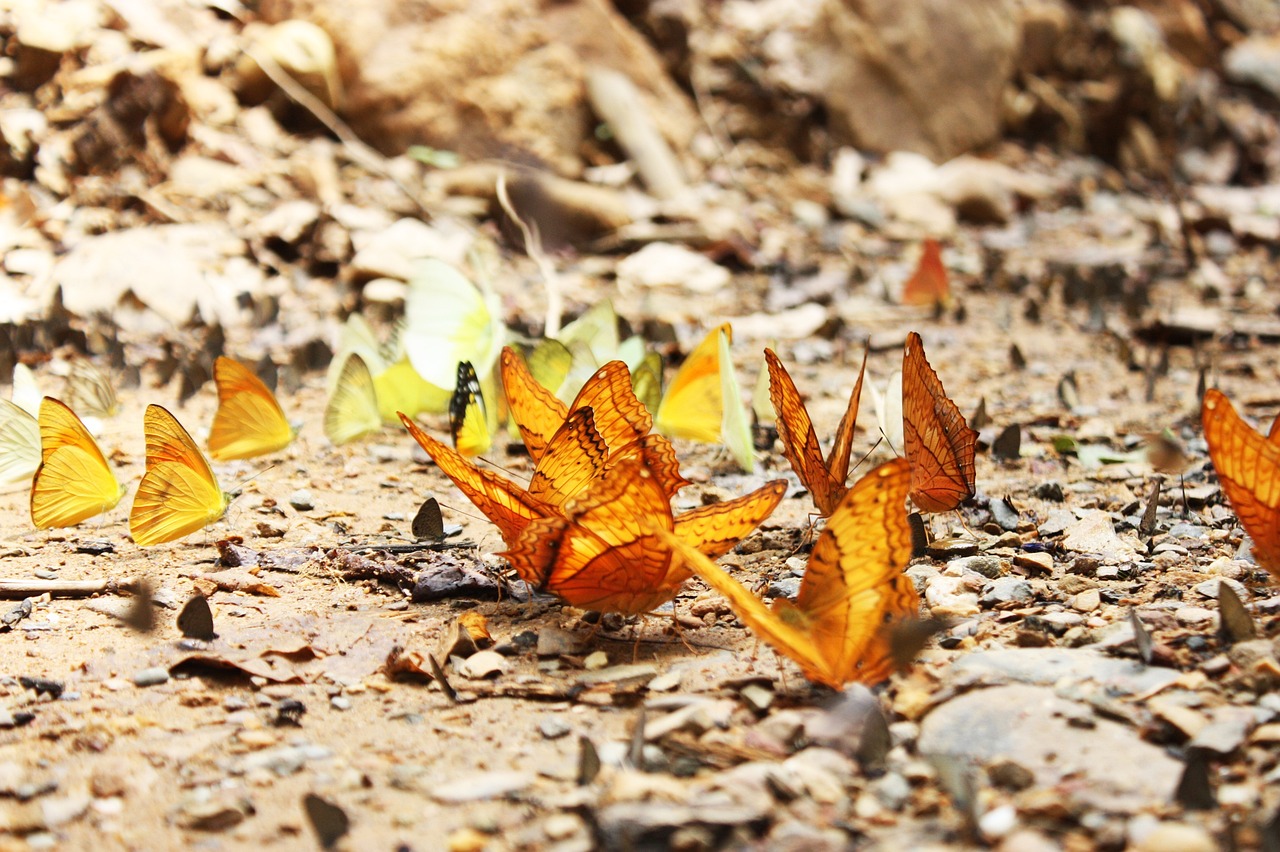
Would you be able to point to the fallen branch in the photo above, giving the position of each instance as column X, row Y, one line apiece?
column 18, row 589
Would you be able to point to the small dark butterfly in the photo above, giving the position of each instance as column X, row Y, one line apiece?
column 428, row 524
column 196, row 619
column 329, row 821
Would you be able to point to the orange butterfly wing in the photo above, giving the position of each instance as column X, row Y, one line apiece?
column 507, row 505
column 716, row 529
column 929, row 284
column 853, row 590
column 249, row 421
column 825, row 480
column 573, row 460
column 73, row 482
column 1248, row 467
column 939, row 444
column 536, row 410
column 178, row 494
column 602, row 554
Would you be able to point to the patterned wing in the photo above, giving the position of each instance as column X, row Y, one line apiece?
column 536, row 410
column 89, row 391
column 249, row 421
column 178, row 494
column 508, row 506
column 74, row 481
column 603, row 553
column 1248, row 467
column 468, row 417
column 19, row 443
column 574, row 459
column 938, row 442
column 717, row 529
column 620, row 416
column 853, row 589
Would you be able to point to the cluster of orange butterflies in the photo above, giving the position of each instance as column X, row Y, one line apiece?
column 179, row 493
column 595, row 527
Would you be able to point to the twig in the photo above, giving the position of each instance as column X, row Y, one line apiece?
column 533, row 247
column 17, row 589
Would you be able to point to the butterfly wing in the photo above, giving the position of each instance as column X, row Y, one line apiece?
column 178, row 494
column 693, row 406
column 26, row 390
column 602, row 553
column 468, row 416
column 1248, row 467
column 74, row 481
column 508, row 506
column 449, row 319
column 19, row 443
column 575, row 457
column 936, row 439
column 825, row 480
column 88, row 390
column 928, row 285
column 535, row 409
column 646, row 381
column 735, row 429
column 249, row 421
column 716, row 529
column 352, row 409
column 853, row 586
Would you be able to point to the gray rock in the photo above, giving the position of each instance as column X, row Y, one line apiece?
column 486, row 785
column 1108, row 764
column 553, row 728
column 984, row 564
column 302, row 500
column 151, row 677
column 1007, row 590
column 1047, row 666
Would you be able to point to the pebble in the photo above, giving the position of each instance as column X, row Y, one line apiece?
column 1041, row 563
column 1008, row 590
column 562, row 826
column 892, row 790
column 785, row 587
column 984, row 564
column 1192, row 615
column 946, row 549
column 951, row 596
column 595, row 661
column 302, row 500
column 553, row 728
column 340, row 702
column 998, row 822
column 1209, row 588
column 485, row 785
column 554, row 642
column 1087, row 601
column 484, row 664
column 1095, row 533
column 1176, row 837
column 151, row 677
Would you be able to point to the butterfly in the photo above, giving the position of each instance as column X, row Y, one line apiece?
column 824, row 479
column 602, row 552
column 396, row 385
column 19, row 443
column 853, row 593
column 249, row 421
column 449, row 319
column 928, row 285
column 352, row 409
column 619, row 416
column 179, row 493
column 937, row 441
column 74, row 481
column 26, row 390
column 703, row 402
column 89, row 391
column 1248, row 467
column 468, row 414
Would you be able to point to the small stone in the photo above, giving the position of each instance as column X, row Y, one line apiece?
column 998, row 822
column 562, row 826
column 1193, row 615
column 340, row 702
column 892, row 790
column 554, row 642
column 1087, row 601
column 595, row 661
column 758, row 697
column 151, row 677
column 1176, row 837
column 951, row 596
column 1209, row 588
column 553, row 728
column 486, row 785
column 1008, row 590
column 985, row 564
column 302, row 500
column 1035, row 563
column 484, row 664
column 945, row 549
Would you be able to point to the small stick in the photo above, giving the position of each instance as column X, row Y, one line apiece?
column 18, row 589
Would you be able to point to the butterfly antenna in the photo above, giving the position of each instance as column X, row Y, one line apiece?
column 510, row 473
column 239, row 489
column 881, row 440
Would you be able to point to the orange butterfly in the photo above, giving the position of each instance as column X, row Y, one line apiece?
column 928, row 285
column 74, row 481
column 602, row 553
column 853, row 593
column 178, row 494
column 620, row 417
column 937, row 440
column 1248, row 467
column 824, row 479
column 249, row 421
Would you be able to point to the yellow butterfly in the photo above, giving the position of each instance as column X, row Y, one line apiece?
column 449, row 319
column 26, row 390
column 469, row 415
column 249, row 422
column 19, row 443
column 703, row 402
column 74, row 481
column 89, row 391
column 396, row 385
column 352, row 410
column 178, row 494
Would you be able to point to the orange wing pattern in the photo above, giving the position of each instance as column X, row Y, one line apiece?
column 73, row 482
column 1248, row 467
column 178, row 494
column 509, row 506
column 853, row 593
column 574, row 459
column 716, row 529
column 249, row 421
column 536, row 410
column 929, row 284
column 603, row 554
column 938, row 442
column 824, row 479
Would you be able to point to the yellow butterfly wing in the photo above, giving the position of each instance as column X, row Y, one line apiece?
column 693, row 406
column 26, row 390
column 74, row 481
column 352, row 410
column 735, row 430
column 449, row 319
column 89, row 391
column 249, row 422
column 646, row 380
column 178, row 494
column 19, row 443
column 468, row 414
column 400, row 388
